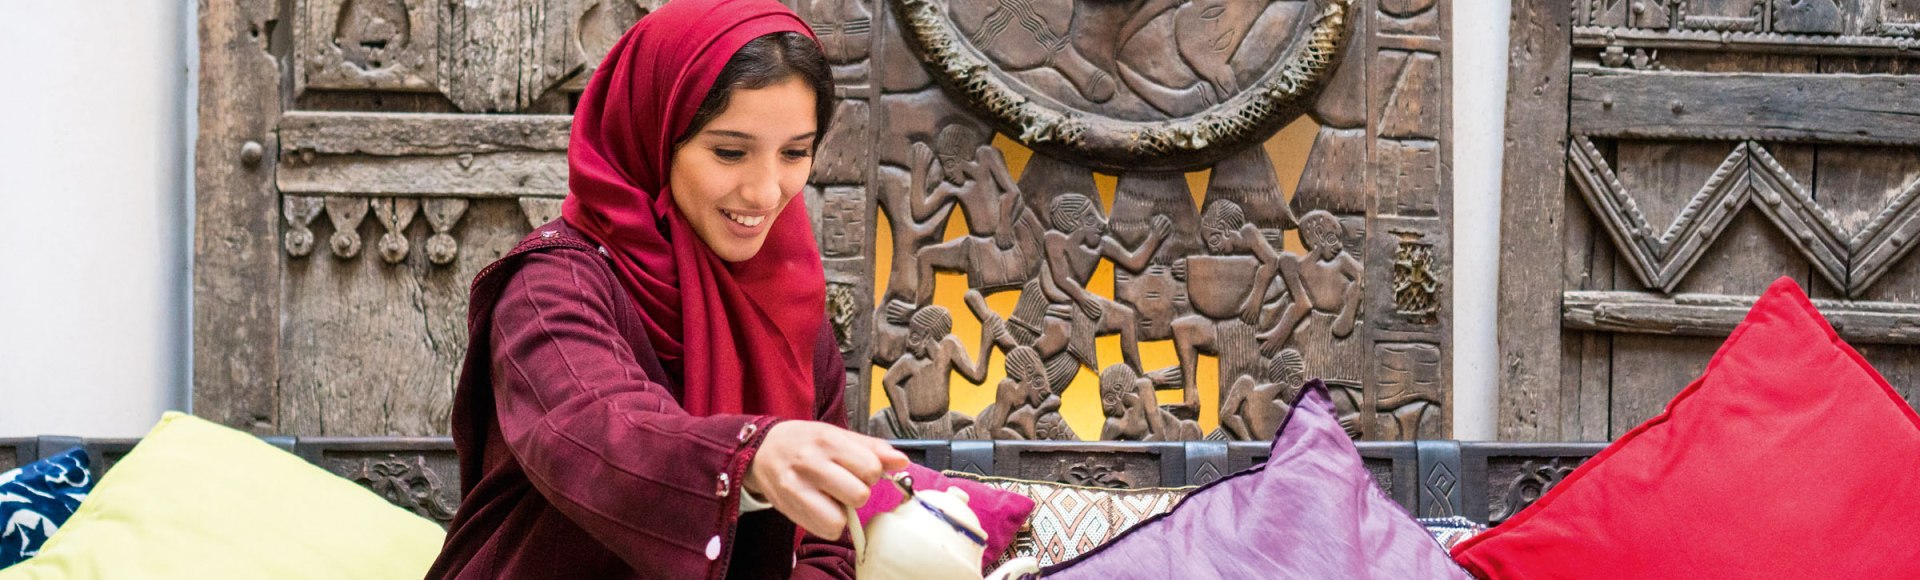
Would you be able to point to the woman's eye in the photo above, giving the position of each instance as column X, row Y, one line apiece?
column 730, row 154
column 798, row 153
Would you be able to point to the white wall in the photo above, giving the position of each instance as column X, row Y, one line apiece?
column 1479, row 120
column 94, row 209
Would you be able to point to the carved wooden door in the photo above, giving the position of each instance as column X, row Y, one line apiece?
column 1667, row 160
column 360, row 160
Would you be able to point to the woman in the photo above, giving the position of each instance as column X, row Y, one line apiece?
column 650, row 372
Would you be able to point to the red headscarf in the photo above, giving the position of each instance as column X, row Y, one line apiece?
column 740, row 334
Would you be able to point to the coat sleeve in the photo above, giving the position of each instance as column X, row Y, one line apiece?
column 607, row 445
column 818, row 558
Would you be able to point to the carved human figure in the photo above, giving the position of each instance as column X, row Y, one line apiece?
column 1133, row 412
column 1330, row 279
column 1024, row 406
column 891, row 322
column 1226, row 232
column 1029, row 34
column 914, row 223
column 1075, row 242
column 917, row 385
column 1252, row 410
column 1408, row 389
column 1000, row 249
column 843, row 28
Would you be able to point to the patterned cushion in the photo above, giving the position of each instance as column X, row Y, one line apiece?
column 1069, row 519
column 1452, row 530
column 37, row 499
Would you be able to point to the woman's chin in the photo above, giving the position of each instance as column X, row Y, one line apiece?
column 737, row 250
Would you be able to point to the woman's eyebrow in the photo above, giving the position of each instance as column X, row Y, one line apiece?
column 750, row 137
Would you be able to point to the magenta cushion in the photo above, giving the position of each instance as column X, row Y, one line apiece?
column 1001, row 513
column 1311, row 511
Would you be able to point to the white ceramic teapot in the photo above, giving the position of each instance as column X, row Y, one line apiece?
column 931, row 535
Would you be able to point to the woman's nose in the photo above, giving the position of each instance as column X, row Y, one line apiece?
column 762, row 189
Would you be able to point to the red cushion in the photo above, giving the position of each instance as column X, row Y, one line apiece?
column 1001, row 512
column 1789, row 458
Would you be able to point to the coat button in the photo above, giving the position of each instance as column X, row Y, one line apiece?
column 747, row 430
column 603, row 250
column 725, row 487
column 713, row 548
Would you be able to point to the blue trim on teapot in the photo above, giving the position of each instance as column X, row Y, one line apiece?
column 905, row 483
column 957, row 526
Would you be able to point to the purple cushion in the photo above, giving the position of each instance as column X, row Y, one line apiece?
column 1001, row 513
column 1311, row 511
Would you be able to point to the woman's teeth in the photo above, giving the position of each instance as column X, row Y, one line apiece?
column 749, row 221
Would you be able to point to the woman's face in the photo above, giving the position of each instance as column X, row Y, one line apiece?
column 734, row 177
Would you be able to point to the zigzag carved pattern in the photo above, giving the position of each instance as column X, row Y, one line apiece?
column 1852, row 261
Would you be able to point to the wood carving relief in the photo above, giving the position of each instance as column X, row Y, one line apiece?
column 408, row 483
column 367, row 44
column 1098, row 87
column 1849, row 259
column 1027, row 165
column 1126, row 86
column 1513, row 488
column 1672, row 159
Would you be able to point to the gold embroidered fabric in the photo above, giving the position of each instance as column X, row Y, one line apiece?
column 1068, row 519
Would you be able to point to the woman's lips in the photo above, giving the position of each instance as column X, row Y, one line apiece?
column 744, row 224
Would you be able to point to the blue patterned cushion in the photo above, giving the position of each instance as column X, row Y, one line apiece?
column 1450, row 531
column 36, row 498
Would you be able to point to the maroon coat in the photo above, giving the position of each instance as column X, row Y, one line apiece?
column 576, row 459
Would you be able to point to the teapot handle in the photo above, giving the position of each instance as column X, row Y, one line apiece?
column 1021, row 565
column 858, row 533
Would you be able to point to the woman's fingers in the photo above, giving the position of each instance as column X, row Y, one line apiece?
column 811, row 470
column 838, row 483
column 890, row 459
column 859, row 458
column 816, row 513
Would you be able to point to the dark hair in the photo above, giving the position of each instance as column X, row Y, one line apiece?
column 761, row 63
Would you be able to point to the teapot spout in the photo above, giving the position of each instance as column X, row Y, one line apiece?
column 1014, row 568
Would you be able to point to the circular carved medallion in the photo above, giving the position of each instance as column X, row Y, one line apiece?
column 1130, row 85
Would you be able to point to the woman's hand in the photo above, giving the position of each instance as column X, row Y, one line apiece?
column 808, row 470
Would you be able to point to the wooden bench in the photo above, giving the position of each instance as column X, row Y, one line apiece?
column 1485, row 482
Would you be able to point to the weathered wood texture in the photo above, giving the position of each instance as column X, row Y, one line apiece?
column 371, row 346
column 1531, row 209
column 237, row 255
column 1711, row 152
column 467, row 156
column 1702, row 40
column 387, row 133
column 504, row 55
column 1408, row 249
column 1716, row 315
column 1742, row 258
column 1858, row 184
column 1822, row 108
